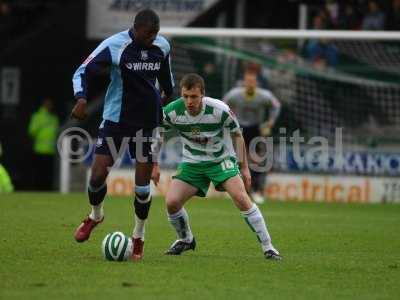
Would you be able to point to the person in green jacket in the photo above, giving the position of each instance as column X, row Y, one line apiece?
column 43, row 129
column 6, row 185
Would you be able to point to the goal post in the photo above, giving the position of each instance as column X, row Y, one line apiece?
column 280, row 33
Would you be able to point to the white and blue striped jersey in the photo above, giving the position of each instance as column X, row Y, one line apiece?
column 132, row 96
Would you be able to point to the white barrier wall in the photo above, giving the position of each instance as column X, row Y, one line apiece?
column 289, row 187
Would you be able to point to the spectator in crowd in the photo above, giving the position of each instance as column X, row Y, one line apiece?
column 326, row 20
column 332, row 8
column 254, row 68
column 5, row 16
column 349, row 18
column 5, row 11
column 321, row 52
column 6, row 185
column 321, row 21
column 43, row 129
column 393, row 20
column 375, row 18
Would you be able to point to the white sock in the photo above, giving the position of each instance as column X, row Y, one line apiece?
column 180, row 221
column 97, row 212
column 255, row 220
column 139, row 230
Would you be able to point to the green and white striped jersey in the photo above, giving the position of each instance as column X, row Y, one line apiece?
column 207, row 136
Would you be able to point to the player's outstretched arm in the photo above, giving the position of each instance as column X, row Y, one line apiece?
column 155, row 150
column 155, row 174
column 166, row 80
column 79, row 110
column 240, row 149
column 97, row 62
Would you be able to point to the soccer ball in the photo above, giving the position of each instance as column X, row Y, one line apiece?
column 117, row 246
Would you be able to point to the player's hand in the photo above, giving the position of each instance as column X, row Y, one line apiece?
column 246, row 178
column 79, row 110
column 265, row 130
column 155, row 174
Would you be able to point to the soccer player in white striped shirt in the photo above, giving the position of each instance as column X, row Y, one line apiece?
column 208, row 128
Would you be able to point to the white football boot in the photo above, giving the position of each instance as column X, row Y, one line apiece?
column 257, row 198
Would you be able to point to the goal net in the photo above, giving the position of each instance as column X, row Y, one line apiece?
column 345, row 80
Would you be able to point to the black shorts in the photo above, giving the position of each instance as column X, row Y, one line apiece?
column 249, row 133
column 115, row 139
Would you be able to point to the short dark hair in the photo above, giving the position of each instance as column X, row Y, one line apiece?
column 146, row 17
column 192, row 80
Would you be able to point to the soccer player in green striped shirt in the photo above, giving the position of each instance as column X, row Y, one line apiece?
column 208, row 130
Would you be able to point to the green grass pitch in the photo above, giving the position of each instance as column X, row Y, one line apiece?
column 331, row 251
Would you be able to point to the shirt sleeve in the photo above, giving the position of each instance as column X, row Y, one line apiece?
column 230, row 121
column 95, row 63
column 230, row 99
column 271, row 100
column 229, row 96
column 165, row 77
column 167, row 123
